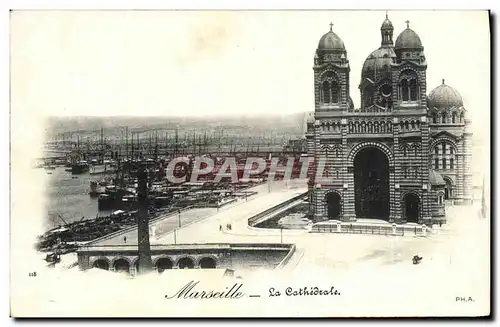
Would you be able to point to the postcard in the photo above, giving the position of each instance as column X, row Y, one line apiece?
column 250, row 163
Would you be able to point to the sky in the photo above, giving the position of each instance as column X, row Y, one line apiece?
column 192, row 63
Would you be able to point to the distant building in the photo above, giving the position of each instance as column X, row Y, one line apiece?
column 296, row 146
column 402, row 154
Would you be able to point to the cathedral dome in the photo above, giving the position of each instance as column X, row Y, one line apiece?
column 378, row 61
column 408, row 39
column 331, row 41
column 444, row 96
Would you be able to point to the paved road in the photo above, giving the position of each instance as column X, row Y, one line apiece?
column 340, row 251
column 162, row 225
column 266, row 197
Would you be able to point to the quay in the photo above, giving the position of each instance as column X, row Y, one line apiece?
column 193, row 239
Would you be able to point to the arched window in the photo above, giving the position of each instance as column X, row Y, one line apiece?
column 408, row 85
column 412, row 124
column 452, row 164
column 443, row 118
column 326, row 92
column 404, row 150
column 453, row 118
column 407, row 126
column 451, row 150
column 413, row 90
column 404, row 90
column 436, row 150
column 405, row 172
column 443, row 146
column 436, row 163
column 462, row 117
column 335, row 92
column 434, row 118
column 444, row 163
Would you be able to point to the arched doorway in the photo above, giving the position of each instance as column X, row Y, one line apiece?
column 208, row 263
column 371, row 184
column 186, row 263
column 448, row 188
column 163, row 264
column 121, row 265
column 101, row 264
column 333, row 206
column 411, row 207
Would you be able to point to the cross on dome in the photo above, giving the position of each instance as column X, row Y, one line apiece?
column 331, row 26
column 407, row 24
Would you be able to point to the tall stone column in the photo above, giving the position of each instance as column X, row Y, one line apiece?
column 347, row 178
column 426, row 212
column 458, row 191
column 145, row 263
column 317, row 201
column 467, row 164
column 395, row 177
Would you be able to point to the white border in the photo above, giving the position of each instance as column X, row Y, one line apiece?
column 184, row 4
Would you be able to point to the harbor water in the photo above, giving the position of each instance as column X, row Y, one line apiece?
column 68, row 196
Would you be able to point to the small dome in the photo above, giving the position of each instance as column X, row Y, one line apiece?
column 444, row 96
column 379, row 60
column 435, row 178
column 331, row 41
column 387, row 24
column 408, row 39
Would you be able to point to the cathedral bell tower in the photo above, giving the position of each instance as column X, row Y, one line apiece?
column 331, row 74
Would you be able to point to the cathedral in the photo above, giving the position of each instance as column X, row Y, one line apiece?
column 403, row 154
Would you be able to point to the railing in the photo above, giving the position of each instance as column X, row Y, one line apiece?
column 252, row 221
column 370, row 229
column 132, row 227
column 186, row 247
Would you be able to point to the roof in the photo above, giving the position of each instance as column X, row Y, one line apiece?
column 379, row 60
column 387, row 24
column 408, row 39
column 331, row 41
column 444, row 96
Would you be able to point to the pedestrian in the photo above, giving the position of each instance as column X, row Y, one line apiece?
column 440, row 223
column 220, row 228
column 125, row 239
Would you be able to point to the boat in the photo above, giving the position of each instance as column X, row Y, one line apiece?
column 111, row 198
column 79, row 168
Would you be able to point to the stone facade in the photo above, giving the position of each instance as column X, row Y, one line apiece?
column 386, row 159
